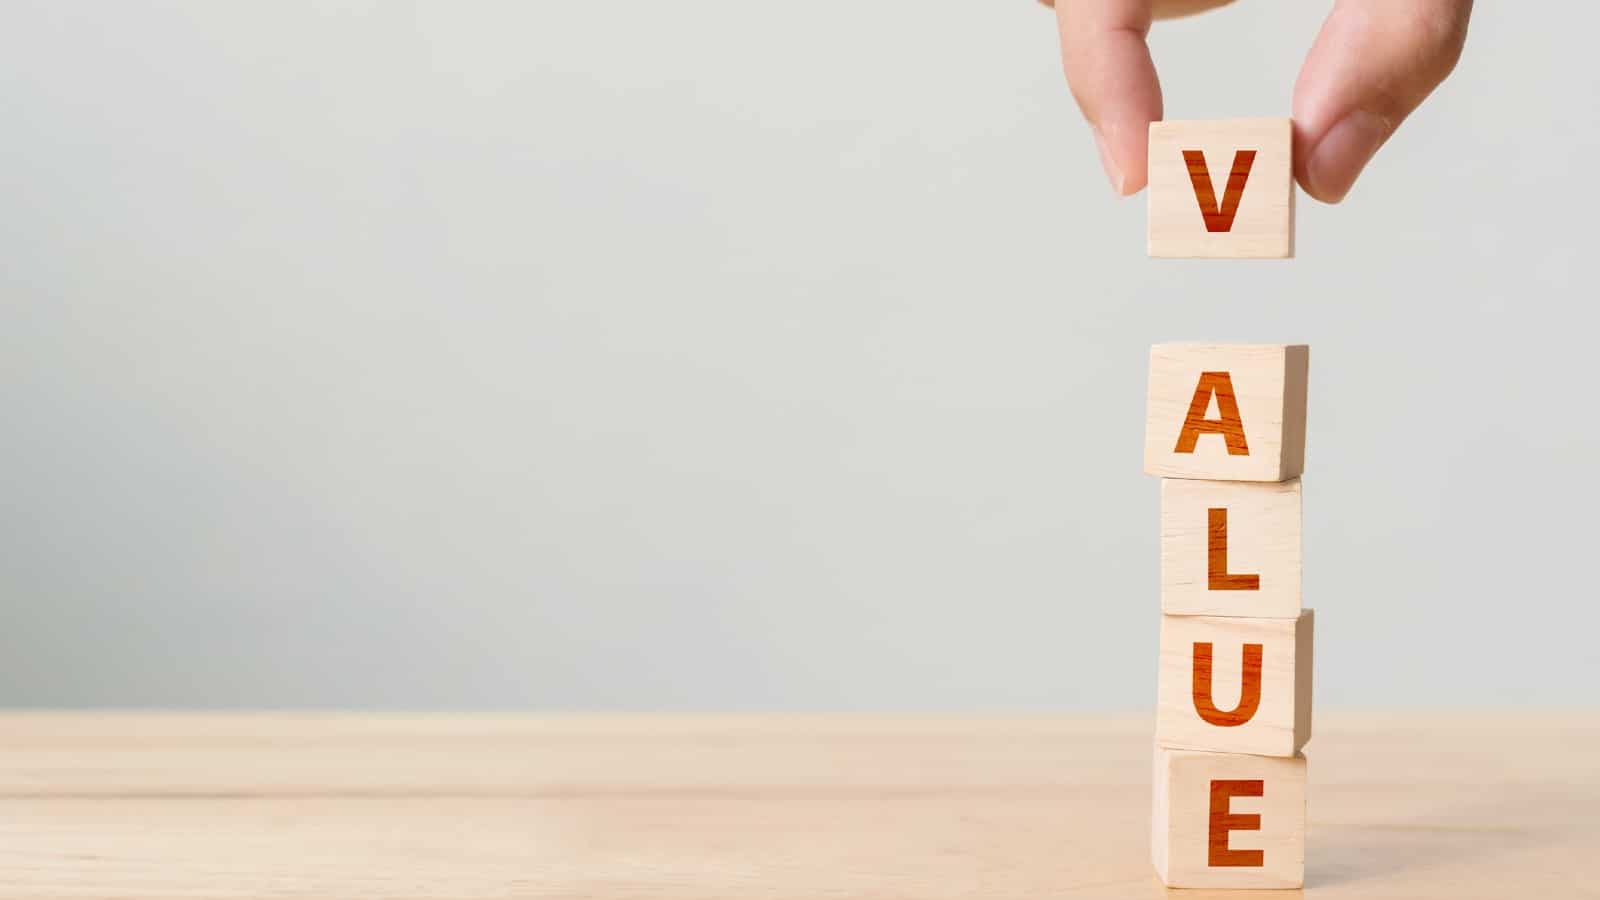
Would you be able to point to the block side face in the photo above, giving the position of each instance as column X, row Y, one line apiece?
column 1160, row 818
column 1293, row 195
column 1238, row 434
column 1296, row 384
column 1279, row 836
column 1207, row 572
column 1305, row 640
column 1250, row 202
column 1233, row 719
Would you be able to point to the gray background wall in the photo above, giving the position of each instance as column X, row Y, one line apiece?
column 733, row 355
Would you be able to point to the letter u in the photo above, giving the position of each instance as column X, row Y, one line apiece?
column 1249, row 687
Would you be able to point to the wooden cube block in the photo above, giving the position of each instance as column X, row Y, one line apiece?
column 1227, row 412
column 1230, row 548
column 1235, row 685
column 1222, row 189
column 1225, row 820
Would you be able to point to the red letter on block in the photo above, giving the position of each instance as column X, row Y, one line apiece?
column 1218, row 578
column 1230, row 426
column 1223, row 821
column 1249, row 687
column 1218, row 218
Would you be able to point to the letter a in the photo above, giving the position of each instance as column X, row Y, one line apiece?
column 1218, row 218
column 1218, row 853
column 1230, row 426
column 1249, row 687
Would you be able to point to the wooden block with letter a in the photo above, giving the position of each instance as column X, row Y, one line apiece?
column 1226, row 412
column 1222, row 189
column 1235, row 685
column 1225, row 820
column 1230, row 548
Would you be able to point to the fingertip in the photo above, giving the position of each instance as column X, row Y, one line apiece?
column 1109, row 162
column 1124, row 158
column 1331, row 165
column 1135, row 153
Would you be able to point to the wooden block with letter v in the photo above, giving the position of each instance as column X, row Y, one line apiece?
column 1225, row 820
column 1235, row 685
column 1226, row 412
column 1222, row 189
column 1230, row 548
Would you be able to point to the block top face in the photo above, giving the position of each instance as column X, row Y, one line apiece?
column 1222, row 189
column 1226, row 412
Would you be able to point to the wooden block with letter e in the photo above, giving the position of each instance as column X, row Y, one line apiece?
column 1225, row 820
column 1230, row 548
column 1226, row 412
column 1222, row 189
column 1235, row 685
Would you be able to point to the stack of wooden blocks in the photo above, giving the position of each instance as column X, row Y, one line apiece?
column 1225, row 431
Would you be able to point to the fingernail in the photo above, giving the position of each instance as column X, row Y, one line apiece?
column 1113, row 172
column 1342, row 153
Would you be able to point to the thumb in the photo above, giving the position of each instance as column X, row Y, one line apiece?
column 1373, row 63
column 1112, row 77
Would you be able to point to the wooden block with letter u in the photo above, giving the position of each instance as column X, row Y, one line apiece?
column 1228, row 412
column 1227, row 820
column 1222, row 189
column 1235, row 685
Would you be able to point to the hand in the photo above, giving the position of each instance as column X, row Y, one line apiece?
column 1372, row 64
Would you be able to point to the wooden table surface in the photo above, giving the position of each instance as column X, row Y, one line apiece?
column 1460, row 806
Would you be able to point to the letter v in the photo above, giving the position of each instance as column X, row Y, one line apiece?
column 1218, row 218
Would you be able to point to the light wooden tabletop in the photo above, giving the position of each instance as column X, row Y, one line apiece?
column 1458, row 806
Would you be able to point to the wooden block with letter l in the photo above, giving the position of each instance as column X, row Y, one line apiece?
column 1235, row 685
column 1230, row 548
column 1227, row 412
column 1222, row 189
column 1225, row 820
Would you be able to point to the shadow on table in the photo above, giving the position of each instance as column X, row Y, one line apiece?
column 1339, row 854
column 1485, row 826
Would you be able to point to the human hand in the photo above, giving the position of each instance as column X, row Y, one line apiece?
column 1372, row 64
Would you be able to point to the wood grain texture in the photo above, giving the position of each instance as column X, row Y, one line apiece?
column 1203, row 838
column 1466, row 806
column 1262, row 539
column 1222, row 189
column 1268, row 383
column 1280, row 722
